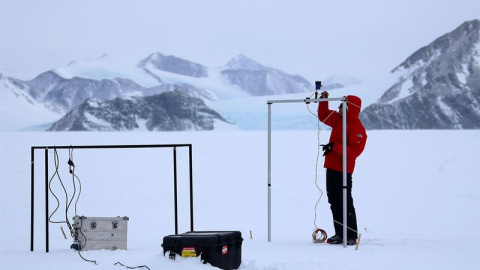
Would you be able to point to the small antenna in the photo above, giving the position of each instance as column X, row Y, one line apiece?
column 318, row 86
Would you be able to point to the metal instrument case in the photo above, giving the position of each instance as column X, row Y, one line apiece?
column 95, row 233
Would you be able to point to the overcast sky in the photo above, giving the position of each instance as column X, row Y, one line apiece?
column 313, row 38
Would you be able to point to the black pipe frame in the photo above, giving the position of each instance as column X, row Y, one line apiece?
column 32, row 179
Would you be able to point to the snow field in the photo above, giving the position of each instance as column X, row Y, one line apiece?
column 416, row 194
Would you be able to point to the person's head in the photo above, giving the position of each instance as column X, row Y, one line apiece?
column 354, row 105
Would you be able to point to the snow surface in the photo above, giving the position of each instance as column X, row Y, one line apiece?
column 417, row 198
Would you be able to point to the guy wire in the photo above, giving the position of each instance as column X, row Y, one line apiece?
column 375, row 115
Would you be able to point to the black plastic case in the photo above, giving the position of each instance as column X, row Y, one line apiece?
column 222, row 249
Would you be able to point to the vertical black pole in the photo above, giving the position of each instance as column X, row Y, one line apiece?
column 46, row 201
column 32, row 192
column 175, row 187
column 191, row 186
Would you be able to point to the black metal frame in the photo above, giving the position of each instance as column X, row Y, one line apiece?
column 32, row 175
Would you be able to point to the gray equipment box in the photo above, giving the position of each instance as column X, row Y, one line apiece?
column 100, row 232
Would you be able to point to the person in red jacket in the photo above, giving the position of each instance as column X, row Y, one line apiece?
column 333, row 152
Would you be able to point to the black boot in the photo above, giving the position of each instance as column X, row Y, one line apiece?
column 339, row 240
column 335, row 239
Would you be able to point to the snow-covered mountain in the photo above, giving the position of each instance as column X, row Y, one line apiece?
column 173, row 64
column 169, row 111
column 438, row 86
column 64, row 88
column 259, row 80
column 195, row 79
column 19, row 110
column 63, row 94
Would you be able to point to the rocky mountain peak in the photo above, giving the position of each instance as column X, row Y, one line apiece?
column 173, row 64
column 465, row 34
column 259, row 80
column 241, row 62
column 438, row 86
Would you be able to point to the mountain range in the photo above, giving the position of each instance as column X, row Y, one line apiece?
column 169, row 111
column 64, row 90
column 437, row 87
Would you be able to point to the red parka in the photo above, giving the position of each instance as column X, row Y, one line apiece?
column 356, row 135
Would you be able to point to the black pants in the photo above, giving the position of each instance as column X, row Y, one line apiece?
column 335, row 198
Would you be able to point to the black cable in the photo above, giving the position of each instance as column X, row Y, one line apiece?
column 68, row 202
column 92, row 261
column 74, row 176
column 129, row 267
column 85, row 241
column 55, row 155
column 80, row 246
column 71, row 169
column 50, row 188
column 79, row 192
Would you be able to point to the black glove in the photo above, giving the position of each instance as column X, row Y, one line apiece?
column 327, row 148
